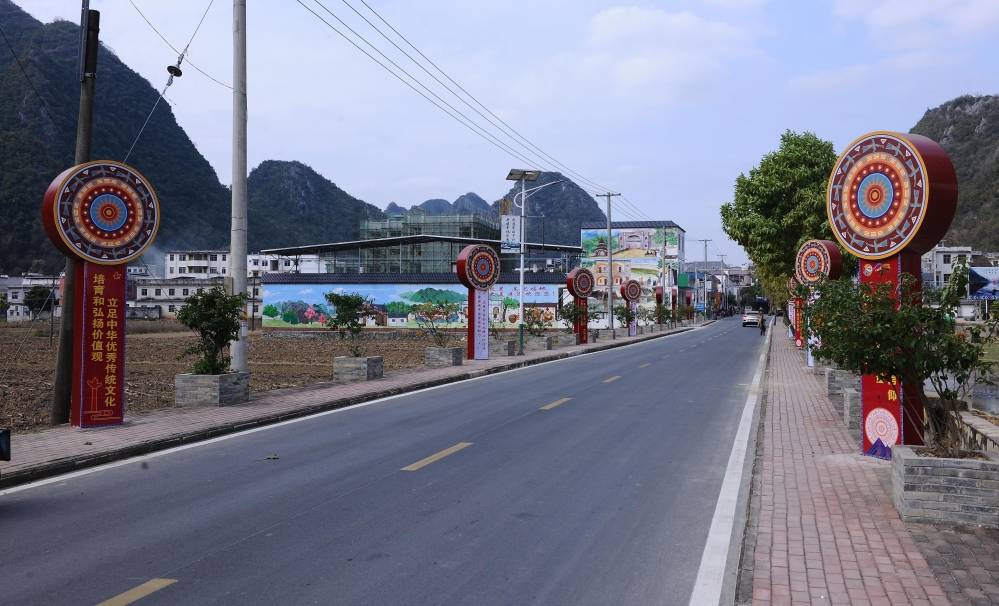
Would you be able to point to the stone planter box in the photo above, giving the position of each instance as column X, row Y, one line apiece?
column 565, row 340
column 838, row 380
column 502, row 348
column 442, row 356
column 981, row 433
column 532, row 343
column 851, row 408
column 349, row 368
column 211, row 390
column 928, row 490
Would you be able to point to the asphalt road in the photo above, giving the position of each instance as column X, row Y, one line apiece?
column 604, row 498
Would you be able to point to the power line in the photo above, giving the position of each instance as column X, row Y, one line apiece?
column 48, row 112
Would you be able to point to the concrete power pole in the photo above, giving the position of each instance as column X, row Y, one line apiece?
column 610, row 263
column 62, row 392
column 704, row 276
column 237, row 248
column 724, row 281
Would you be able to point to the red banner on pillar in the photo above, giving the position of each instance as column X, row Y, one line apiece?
column 99, row 353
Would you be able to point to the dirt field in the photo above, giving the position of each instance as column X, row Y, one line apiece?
column 152, row 360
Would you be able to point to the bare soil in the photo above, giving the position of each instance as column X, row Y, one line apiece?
column 153, row 359
column 988, row 416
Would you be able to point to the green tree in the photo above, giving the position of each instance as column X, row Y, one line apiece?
column 347, row 317
column 780, row 205
column 435, row 319
column 4, row 306
column 271, row 311
column 38, row 299
column 215, row 317
column 290, row 317
column 398, row 307
column 624, row 314
column 883, row 330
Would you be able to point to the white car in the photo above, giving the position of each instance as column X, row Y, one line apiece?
column 752, row 318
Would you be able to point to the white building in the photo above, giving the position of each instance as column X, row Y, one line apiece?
column 938, row 264
column 168, row 295
column 215, row 263
column 17, row 289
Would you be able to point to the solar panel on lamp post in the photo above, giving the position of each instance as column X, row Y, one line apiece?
column 522, row 175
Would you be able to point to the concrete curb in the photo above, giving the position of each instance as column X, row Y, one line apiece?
column 71, row 464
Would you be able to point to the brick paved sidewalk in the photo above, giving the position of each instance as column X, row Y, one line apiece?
column 64, row 449
column 827, row 531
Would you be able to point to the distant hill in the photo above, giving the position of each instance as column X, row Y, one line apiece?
column 465, row 204
column 565, row 207
column 289, row 204
column 195, row 206
column 968, row 128
column 393, row 209
column 471, row 203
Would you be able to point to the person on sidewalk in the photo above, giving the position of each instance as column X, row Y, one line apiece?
column 763, row 324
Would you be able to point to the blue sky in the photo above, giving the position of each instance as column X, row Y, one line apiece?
column 666, row 102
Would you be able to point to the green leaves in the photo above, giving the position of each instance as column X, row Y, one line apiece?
column 347, row 317
column 215, row 317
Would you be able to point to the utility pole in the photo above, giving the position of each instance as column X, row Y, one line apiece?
column 610, row 264
column 523, row 251
column 62, row 392
column 704, row 277
column 237, row 247
column 724, row 281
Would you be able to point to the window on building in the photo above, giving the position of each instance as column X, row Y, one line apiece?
column 223, row 270
column 213, row 257
column 182, row 270
column 158, row 292
column 256, row 292
column 946, row 259
column 171, row 257
column 961, row 258
column 256, row 308
column 946, row 278
column 183, row 257
column 171, row 270
column 145, row 292
column 256, row 262
column 13, row 296
column 287, row 263
column 170, row 291
column 223, row 257
column 213, row 270
column 171, row 308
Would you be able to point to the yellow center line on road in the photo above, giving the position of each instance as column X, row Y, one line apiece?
column 554, row 404
column 643, row 365
column 612, row 379
column 137, row 593
column 440, row 455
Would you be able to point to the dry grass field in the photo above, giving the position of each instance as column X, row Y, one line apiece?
column 152, row 360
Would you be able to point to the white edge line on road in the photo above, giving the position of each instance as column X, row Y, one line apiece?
column 711, row 573
column 138, row 459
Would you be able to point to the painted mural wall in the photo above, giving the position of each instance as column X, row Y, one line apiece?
column 304, row 306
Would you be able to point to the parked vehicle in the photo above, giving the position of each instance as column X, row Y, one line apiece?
column 752, row 318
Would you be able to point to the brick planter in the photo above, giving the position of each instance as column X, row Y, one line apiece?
column 532, row 343
column 442, row 356
column 211, row 390
column 928, row 490
column 349, row 368
column 499, row 347
column 565, row 340
column 851, row 408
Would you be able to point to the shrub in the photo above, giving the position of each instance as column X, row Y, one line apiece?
column 435, row 319
column 215, row 317
column 537, row 320
column 347, row 317
column 290, row 317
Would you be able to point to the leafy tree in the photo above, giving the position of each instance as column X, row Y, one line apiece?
column 435, row 319
column 310, row 314
column 215, row 317
column 4, row 306
column 290, row 317
column 508, row 304
column 271, row 311
column 624, row 314
column 347, row 317
column 398, row 307
column 38, row 299
column 570, row 313
column 883, row 330
column 780, row 205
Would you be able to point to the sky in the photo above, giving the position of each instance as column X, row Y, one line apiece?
column 666, row 102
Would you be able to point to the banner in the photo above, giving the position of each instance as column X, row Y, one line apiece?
column 99, row 353
column 511, row 232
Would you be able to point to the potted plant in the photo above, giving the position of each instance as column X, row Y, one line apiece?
column 624, row 314
column 537, row 321
column 884, row 330
column 215, row 318
column 347, row 312
column 435, row 319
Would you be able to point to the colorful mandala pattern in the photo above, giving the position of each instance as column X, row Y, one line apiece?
column 817, row 259
column 103, row 212
column 881, row 425
column 877, row 195
column 792, row 284
column 580, row 282
column 631, row 290
column 479, row 267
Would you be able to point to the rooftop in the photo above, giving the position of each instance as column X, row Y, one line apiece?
column 629, row 225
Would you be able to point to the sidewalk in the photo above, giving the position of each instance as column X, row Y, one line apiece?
column 64, row 449
column 827, row 531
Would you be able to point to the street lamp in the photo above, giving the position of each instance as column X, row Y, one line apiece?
column 524, row 175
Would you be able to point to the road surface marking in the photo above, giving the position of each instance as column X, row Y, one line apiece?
column 137, row 593
column 681, row 351
column 643, row 365
column 693, row 346
column 440, row 455
column 714, row 559
column 612, row 379
column 666, row 356
column 555, row 403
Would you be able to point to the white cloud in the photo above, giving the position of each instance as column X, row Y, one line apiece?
column 739, row 5
column 922, row 23
column 307, row 291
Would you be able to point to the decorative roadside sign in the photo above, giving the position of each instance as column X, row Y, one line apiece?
column 630, row 292
column 511, row 233
column 478, row 269
column 580, row 283
column 105, row 214
column 891, row 198
column 818, row 259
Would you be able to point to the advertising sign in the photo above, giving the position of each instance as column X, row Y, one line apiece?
column 983, row 283
column 511, row 232
column 99, row 355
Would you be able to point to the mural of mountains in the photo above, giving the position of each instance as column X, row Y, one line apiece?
column 195, row 206
column 289, row 204
column 968, row 128
column 564, row 207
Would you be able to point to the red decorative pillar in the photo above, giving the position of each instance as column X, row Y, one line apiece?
column 478, row 269
column 630, row 292
column 580, row 283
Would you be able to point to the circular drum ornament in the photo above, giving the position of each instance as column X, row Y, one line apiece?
column 890, row 192
column 792, row 284
column 881, row 425
column 478, row 266
column 580, row 282
column 818, row 258
column 631, row 290
column 104, row 212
